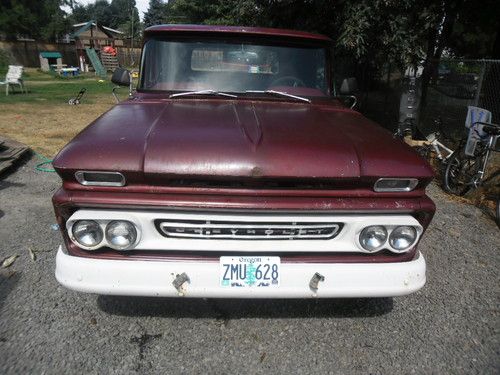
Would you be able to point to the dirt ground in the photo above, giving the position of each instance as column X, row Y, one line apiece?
column 42, row 117
column 46, row 129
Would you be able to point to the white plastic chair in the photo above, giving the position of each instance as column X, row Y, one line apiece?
column 14, row 77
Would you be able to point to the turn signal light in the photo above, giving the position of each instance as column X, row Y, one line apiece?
column 395, row 184
column 97, row 178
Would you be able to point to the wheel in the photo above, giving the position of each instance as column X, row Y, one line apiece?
column 71, row 101
column 461, row 174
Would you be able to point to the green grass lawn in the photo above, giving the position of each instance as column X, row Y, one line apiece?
column 47, row 88
column 43, row 119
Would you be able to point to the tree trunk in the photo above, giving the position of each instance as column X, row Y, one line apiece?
column 426, row 73
column 496, row 46
column 438, row 40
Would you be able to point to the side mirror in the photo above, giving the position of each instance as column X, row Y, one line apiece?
column 349, row 86
column 121, row 77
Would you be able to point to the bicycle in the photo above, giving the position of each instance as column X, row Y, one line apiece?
column 467, row 165
column 431, row 144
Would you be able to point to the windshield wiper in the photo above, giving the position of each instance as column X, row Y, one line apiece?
column 279, row 93
column 202, row 92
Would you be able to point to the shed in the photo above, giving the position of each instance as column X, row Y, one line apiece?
column 92, row 35
column 48, row 58
column 91, row 39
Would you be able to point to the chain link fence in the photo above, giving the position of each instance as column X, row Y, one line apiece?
column 394, row 99
column 456, row 85
column 389, row 96
column 488, row 95
column 379, row 90
column 129, row 57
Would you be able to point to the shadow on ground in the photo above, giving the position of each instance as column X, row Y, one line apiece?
column 22, row 161
column 7, row 184
column 225, row 309
column 8, row 281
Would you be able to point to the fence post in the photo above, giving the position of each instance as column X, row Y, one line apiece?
column 480, row 84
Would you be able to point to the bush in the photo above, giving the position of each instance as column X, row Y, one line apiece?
column 5, row 60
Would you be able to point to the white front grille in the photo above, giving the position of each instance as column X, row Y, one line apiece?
column 158, row 230
column 237, row 230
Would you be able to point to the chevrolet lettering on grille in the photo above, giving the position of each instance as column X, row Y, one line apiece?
column 247, row 231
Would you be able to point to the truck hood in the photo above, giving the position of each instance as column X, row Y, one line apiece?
column 220, row 139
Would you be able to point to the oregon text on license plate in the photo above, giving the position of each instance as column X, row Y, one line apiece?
column 243, row 271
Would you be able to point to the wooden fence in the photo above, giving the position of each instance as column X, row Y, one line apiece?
column 26, row 52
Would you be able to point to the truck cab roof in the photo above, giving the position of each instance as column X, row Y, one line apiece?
column 235, row 30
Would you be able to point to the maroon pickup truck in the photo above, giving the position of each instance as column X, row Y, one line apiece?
column 236, row 169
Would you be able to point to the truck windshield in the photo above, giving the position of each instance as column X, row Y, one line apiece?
column 232, row 67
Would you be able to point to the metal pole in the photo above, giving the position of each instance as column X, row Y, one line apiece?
column 132, row 34
column 480, row 84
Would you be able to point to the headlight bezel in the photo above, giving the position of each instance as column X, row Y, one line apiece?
column 117, row 247
column 74, row 237
column 406, row 248
column 103, row 223
column 386, row 245
column 377, row 248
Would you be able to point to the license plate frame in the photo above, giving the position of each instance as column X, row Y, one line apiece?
column 250, row 271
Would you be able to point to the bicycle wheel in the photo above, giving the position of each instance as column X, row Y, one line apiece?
column 461, row 172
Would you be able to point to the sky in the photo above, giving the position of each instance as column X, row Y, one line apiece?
column 142, row 5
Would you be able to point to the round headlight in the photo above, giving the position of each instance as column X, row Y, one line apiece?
column 87, row 233
column 373, row 238
column 121, row 234
column 402, row 237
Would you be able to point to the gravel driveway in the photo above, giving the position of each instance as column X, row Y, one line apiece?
column 450, row 326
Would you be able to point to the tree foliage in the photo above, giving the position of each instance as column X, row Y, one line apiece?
column 30, row 18
column 126, row 17
column 369, row 30
column 395, row 30
column 156, row 13
column 119, row 14
column 373, row 32
column 80, row 13
column 123, row 11
column 476, row 30
column 101, row 12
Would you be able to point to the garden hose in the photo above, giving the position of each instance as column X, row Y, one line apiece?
column 41, row 166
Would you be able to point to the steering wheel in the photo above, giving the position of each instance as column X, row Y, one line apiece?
column 295, row 82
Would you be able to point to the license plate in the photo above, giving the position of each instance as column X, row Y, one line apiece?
column 255, row 272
